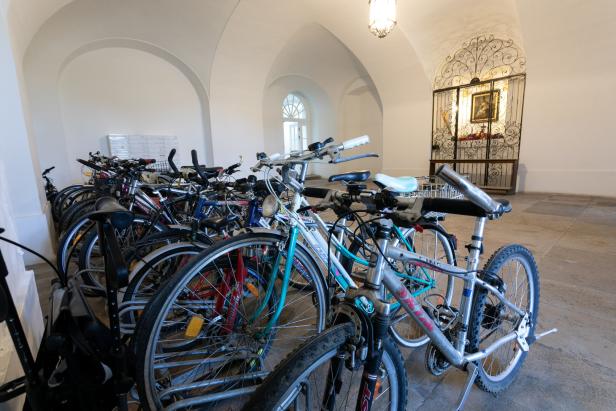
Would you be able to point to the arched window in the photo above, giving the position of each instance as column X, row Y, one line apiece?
column 294, row 123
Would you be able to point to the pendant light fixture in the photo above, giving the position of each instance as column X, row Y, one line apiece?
column 382, row 17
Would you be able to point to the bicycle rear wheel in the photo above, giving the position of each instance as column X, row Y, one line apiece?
column 307, row 378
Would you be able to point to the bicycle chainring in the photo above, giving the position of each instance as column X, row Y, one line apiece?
column 436, row 363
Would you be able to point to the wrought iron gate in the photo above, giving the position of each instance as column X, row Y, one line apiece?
column 477, row 124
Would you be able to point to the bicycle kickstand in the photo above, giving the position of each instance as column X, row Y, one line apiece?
column 472, row 371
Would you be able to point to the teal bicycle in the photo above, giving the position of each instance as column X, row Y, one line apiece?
column 219, row 326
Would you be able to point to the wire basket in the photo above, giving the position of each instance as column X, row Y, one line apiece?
column 160, row 166
column 433, row 187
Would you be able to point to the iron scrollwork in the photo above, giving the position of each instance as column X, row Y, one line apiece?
column 483, row 57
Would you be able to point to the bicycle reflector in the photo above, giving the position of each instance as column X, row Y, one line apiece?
column 194, row 326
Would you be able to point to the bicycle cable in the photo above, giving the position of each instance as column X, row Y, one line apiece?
column 23, row 247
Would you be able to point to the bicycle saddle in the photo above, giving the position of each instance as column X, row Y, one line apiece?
column 397, row 184
column 219, row 223
column 108, row 208
column 352, row 176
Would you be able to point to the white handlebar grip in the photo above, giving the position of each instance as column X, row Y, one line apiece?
column 275, row 156
column 355, row 142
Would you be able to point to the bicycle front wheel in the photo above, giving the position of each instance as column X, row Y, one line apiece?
column 513, row 271
column 316, row 377
column 222, row 323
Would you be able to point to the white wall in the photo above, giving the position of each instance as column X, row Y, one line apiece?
column 322, row 116
column 20, row 212
column 233, row 47
column 568, row 138
column 316, row 65
column 185, row 33
column 21, row 179
column 127, row 91
column 361, row 114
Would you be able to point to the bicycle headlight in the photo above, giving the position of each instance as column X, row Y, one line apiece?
column 270, row 206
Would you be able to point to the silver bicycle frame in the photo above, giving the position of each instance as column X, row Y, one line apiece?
column 383, row 274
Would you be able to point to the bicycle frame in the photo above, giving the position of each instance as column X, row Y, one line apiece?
column 338, row 243
column 329, row 258
column 455, row 354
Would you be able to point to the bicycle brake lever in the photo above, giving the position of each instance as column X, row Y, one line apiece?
column 351, row 158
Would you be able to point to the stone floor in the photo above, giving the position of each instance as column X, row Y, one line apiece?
column 574, row 241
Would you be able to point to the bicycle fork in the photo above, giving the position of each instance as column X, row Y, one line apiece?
column 371, row 374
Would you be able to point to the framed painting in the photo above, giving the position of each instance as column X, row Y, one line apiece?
column 480, row 106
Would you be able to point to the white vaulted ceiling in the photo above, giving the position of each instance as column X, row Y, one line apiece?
column 228, row 48
column 438, row 28
column 26, row 17
column 434, row 28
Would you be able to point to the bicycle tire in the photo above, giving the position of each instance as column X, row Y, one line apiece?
column 274, row 392
column 482, row 316
column 90, row 242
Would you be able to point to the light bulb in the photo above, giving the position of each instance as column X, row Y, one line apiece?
column 382, row 17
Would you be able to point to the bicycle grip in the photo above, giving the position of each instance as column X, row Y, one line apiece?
column 315, row 192
column 170, row 161
column 355, row 142
column 470, row 191
column 195, row 161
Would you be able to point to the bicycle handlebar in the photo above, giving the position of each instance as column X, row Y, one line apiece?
column 90, row 164
column 330, row 149
column 171, row 163
column 470, row 191
column 195, row 161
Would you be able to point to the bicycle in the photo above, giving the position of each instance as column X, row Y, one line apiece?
column 82, row 362
column 271, row 258
column 313, row 374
